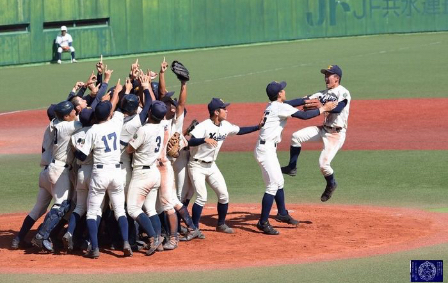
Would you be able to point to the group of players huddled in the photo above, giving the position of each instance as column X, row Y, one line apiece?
column 114, row 140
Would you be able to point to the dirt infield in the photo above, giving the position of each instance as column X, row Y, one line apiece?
column 401, row 124
column 326, row 232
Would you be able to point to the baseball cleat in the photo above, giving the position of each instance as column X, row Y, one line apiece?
column 15, row 243
column 286, row 219
column 160, row 248
column 154, row 244
column 201, row 236
column 41, row 243
column 171, row 244
column 224, row 229
column 267, row 228
column 93, row 253
column 59, row 62
column 183, row 230
column 328, row 192
column 288, row 171
column 127, row 249
column 191, row 235
column 74, row 61
column 67, row 239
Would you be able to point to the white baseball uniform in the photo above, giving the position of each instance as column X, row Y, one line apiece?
column 333, row 131
column 56, row 177
column 202, row 167
column 276, row 115
column 130, row 126
column 64, row 41
column 148, row 144
column 167, row 194
column 104, row 140
column 84, row 172
column 43, row 197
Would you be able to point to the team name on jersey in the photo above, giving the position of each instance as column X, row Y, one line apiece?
column 217, row 137
column 328, row 97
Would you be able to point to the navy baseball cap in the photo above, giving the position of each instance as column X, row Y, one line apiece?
column 63, row 108
column 216, row 103
column 158, row 110
column 86, row 117
column 50, row 112
column 273, row 88
column 332, row 69
column 168, row 98
column 102, row 110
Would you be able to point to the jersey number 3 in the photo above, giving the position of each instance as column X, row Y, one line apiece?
column 110, row 137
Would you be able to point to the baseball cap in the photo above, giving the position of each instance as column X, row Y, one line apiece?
column 50, row 112
column 273, row 88
column 63, row 28
column 216, row 103
column 102, row 110
column 63, row 108
column 168, row 98
column 86, row 116
column 332, row 69
column 158, row 110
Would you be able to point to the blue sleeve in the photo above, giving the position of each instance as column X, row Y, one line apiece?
column 305, row 115
column 99, row 95
column 295, row 102
column 99, row 78
column 81, row 91
column 340, row 106
column 145, row 110
column 195, row 142
column 248, row 130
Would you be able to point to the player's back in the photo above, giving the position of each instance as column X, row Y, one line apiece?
column 105, row 140
column 150, row 141
column 62, row 132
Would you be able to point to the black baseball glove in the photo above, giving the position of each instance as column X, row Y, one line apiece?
column 180, row 71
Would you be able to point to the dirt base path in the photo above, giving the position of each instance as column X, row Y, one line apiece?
column 326, row 232
column 402, row 124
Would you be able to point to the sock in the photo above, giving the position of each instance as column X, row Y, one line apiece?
column 123, row 224
column 59, row 56
column 132, row 230
column 266, row 205
column 144, row 221
column 28, row 223
column 183, row 213
column 163, row 222
column 280, row 201
column 222, row 213
column 73, row 55
column 293, row 156
column 172, row 219
column 74, row 218
column 330, row 179
column 93, row 232
column 196, row 214
column 155, row 221
column 178, row 221
column 186, row 202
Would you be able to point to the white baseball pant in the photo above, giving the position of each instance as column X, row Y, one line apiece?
column 184, row 186
column 332, row 141
column 266, row 156
column 143, row 181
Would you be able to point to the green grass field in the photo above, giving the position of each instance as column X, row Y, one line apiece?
column 375, row 67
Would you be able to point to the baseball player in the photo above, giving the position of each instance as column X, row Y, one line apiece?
column 56, row 179
column 43, row 198
column 171, row 205
column 275, row 116
column 146, row 145
column 64, row 42
column 332, row 133
column 206, row 140
column 103, row 140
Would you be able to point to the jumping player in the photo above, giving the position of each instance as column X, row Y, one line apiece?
column 275, row 116
column 332, row 133
column 205, row 143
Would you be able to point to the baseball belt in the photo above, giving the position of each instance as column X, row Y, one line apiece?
column 333, row 129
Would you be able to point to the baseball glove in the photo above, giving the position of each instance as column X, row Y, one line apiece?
column 311, row 104
column 180, row 71
column 173, row 147
column 190, row 128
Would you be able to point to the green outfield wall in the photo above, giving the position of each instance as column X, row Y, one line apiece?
column 115, row 27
